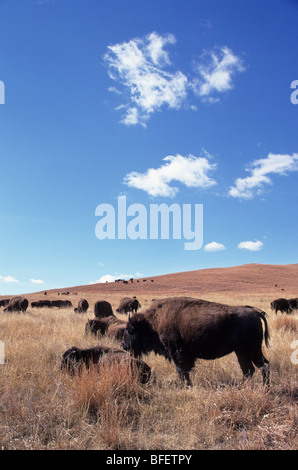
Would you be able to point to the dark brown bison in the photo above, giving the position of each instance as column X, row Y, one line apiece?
column 17, row 304
column 4, row 302
column 282, row 305
column 99, row 325
column 74, row 358
column 102, row 309
column 83, row 306
column 41, row 304
column 183, row 329
column 128, row 304
column 293, row 304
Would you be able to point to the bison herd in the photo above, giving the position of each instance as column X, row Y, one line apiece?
column 181, row 329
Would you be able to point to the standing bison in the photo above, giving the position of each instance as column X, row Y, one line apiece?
column 128, row 305
column 83, row 306
column 183, row 329
column 102, row 309
column 281, row 304
column 17, row 304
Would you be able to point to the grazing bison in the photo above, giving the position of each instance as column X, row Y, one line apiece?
column 75, row 357
column 102, row 309
column 17, row 304
column 183, row 329
column 41, row 303
column 128, row 304
column 293, row 304
column 83, row 306
column 282, row 305
column 4, row 302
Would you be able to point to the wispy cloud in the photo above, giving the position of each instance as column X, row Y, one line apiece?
column 252, row 185
column 36, row 281
column 143, row 67
column 214, row 246
column 140, row 65
column 216, row 71
column 8, row 279
column 191, row 171
column 251, row 246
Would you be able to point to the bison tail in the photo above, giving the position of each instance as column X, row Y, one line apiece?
column 263, row 316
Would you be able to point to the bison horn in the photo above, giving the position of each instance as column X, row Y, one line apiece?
column 128, row 316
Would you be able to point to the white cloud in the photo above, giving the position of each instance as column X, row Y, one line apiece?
column 191, row 171
column 216, row 72
column 251, row 246
column 36, row 281
column 113, row 277
column 144, row 69
column 8, row 279
column 139, row 65
column 281, row 164
column 214, row 246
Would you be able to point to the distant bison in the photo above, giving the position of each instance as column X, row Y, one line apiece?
column 102, row 309
column 73, row 359
column 83, row 306
column 128, row 304
column 61, row 303
column 183, row 329
column 282, row 305
column 4, row 302
column 17, row 304
column 41, row 303
column 293, row 303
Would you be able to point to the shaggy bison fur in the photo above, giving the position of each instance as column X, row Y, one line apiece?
column 102, row 309
column 183, row 329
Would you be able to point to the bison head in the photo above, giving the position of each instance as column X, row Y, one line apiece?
column 70, row 360
column 140, row 338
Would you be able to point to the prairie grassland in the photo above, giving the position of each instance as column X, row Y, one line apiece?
column 43, row 408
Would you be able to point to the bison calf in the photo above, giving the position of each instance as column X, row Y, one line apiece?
column 74, row 358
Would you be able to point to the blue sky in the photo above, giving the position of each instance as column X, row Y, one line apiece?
column 185, row 102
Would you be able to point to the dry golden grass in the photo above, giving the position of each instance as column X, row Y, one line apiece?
column 43, row 408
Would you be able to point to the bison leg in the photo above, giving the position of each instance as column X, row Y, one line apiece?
column 262, row 363
column 246, row 365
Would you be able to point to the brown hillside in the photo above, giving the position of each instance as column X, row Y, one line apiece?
column 278, row 280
